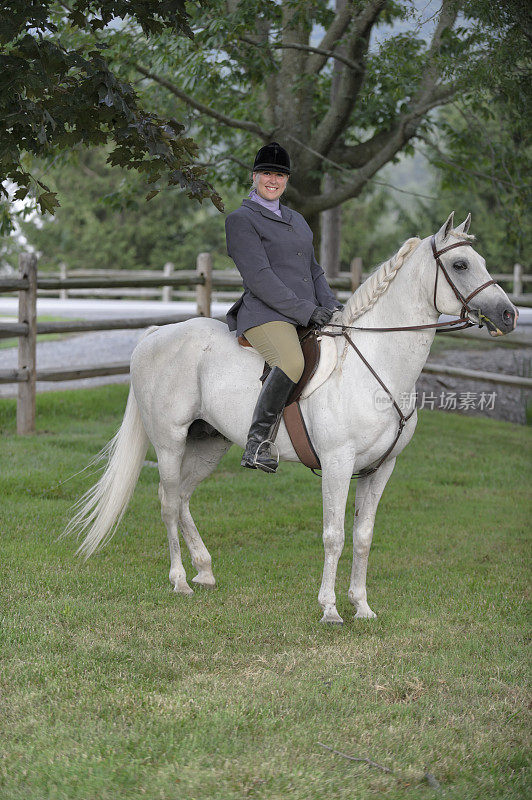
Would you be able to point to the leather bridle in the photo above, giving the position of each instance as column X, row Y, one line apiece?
column 459, row 296
column 441, row 327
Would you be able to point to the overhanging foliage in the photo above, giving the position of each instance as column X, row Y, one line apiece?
column 54, row 97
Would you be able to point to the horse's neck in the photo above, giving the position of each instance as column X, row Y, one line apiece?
column 398, row 357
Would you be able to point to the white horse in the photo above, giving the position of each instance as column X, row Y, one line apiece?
column 196, row 370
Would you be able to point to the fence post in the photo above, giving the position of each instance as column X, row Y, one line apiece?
column 27, row 312
column 63, row 293
column 167, row 290
column 356, row 273
column 518, row 279
column 204, row 291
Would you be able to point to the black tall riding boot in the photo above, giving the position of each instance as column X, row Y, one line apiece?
column 272, row 400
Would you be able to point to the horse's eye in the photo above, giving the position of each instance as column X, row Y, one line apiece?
column 460, row 264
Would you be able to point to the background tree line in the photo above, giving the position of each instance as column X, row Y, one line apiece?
column 349, row 90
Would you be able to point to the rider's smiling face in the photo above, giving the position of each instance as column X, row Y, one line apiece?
column 270, row 185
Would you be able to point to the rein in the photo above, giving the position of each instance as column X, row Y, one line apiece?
column 441, row 327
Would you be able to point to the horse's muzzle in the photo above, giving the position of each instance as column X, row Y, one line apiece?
column 499, row 320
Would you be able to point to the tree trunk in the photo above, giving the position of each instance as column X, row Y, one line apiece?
column 331, row 220
column 331, row 234
column 306, row 187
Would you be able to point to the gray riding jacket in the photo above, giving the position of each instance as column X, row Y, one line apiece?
column 282, row 279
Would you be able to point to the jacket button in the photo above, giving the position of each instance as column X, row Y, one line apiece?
column 305, row 279
column 290, row 229
column 299, row 253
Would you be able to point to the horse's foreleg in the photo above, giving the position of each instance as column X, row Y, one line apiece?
column 201, row 458
column 337, row 468
column 169, row 462
column 368, row 494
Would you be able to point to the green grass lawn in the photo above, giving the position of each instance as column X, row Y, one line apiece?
column 114, row 687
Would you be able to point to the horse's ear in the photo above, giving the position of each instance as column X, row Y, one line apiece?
column 464, row 226
column 446, row 228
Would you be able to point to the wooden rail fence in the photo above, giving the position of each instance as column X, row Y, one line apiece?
column 204, row 279
column 179, row 284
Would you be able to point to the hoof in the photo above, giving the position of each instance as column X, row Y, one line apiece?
column 205, row 581
column 331, row 619
column 365, row 613
column 183, row 588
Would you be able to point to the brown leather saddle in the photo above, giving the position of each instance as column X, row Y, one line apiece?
column 292, row 415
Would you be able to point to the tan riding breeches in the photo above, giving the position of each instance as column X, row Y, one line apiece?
column 278, row 344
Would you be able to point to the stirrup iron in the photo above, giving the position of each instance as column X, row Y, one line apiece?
column 262, row 466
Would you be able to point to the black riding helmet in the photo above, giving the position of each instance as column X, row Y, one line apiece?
column 272, row 156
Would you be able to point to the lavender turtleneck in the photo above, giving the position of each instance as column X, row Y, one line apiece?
column 271, row 205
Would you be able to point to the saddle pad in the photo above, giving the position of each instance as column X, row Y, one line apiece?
column 325, row 367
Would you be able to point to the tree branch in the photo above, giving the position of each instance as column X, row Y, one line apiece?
column 371, row 155
column 367, row 761
column 448, row 14
column 307, row 47
column 357, row 155
column 337, row 116
column 334, row 33
column 494, row 179
column 211, row 112
column 341, row 169
column 389, row 144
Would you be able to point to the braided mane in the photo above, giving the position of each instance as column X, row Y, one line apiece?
column 376, row 284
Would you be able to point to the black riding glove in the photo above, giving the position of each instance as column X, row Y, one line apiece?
column 321, row 315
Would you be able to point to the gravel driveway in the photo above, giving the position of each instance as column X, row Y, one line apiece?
column 77, row 350
column 479, row 398
column 455, row 394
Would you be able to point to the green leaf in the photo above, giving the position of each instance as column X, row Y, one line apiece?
column 47, row 201
column 21, row 193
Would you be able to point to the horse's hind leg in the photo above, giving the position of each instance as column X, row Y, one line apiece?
column 201, row 457
column 169, row 462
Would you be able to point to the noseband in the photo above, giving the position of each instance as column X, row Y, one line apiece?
column 464, row 300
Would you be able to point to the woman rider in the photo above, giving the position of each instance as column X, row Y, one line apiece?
column 284, row 286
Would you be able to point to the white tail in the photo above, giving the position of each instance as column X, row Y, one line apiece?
column 101, row 508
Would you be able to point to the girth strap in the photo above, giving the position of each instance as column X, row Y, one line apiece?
column 298, row 433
